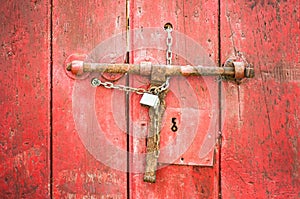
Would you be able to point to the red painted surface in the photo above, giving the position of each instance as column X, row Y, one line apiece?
column 189, row 18
column 24, row 99
column 260, row 117
column 78, row 27
column 260, row 153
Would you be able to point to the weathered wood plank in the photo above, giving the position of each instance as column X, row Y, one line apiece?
column 260, row 153
column 78, row 171
column 24, row 99
column 197, row 20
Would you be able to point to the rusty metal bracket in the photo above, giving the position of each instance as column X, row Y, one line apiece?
column 233, row 69
column 158, row 77
column 159, row 74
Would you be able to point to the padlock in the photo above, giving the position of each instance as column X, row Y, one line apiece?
column 150, row 100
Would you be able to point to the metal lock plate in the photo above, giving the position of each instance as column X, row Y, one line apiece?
column 150, row 100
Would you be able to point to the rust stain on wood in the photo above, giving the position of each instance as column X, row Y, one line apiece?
column 259, row 157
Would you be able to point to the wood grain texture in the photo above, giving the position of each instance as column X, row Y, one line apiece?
column 24, row 99
column 260, row 148
column 78, row 27
column 197, row 20
column 260, row 153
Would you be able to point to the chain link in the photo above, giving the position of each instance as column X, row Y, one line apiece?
column 163, row 87
column 159, row 89
column 154, row 89
column 169, row 53
column 96, row 82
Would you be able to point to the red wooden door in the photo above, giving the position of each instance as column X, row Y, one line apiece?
column 99, row 139
column 62, row 138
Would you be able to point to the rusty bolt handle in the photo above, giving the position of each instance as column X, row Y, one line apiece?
column 233, row 69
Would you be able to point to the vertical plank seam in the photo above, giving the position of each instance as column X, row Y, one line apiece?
column 127, row 110
column 51, row 99
column 220, row 105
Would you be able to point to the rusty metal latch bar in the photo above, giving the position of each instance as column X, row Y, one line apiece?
column 234, row 69
column 154, row 97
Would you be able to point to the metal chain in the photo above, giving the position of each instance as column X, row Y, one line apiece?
column 164, row 86
column 159, row 89
column 96, row 82
column 154, row 89
column 169, row 53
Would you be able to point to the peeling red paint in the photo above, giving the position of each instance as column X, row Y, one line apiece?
column 25, row 83
column 78, row 27
column 259, row 155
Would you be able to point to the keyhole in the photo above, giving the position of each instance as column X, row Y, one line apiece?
column 174, row 128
